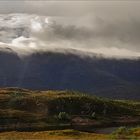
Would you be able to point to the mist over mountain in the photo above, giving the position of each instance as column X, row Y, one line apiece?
column 106, row 77
column 40, row 52
column 69, row 69
column 26, row 33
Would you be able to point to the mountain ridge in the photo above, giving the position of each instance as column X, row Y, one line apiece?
column 60, row 71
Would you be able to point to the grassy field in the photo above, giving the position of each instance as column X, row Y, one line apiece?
column 120, row 134
column 38, row 112
column 53, row 135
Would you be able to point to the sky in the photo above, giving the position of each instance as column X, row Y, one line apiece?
column 107, row 27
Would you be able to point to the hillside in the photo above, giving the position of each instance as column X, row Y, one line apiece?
column 71, row 70
column 22, row 109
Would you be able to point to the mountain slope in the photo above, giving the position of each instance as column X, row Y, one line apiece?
column 107, row 77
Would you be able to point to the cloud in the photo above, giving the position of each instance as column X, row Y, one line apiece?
column 119, row 33
column 92, row 33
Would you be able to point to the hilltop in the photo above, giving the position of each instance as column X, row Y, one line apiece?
column 22, row 109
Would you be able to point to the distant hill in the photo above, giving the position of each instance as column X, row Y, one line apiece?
column 106, row 77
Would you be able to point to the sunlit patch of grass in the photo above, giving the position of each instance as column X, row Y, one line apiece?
column 53, row 135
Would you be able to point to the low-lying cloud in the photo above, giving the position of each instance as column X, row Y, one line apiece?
column 26, row 33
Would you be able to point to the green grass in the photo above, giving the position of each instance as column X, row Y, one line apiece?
column 126, row 133
column 69, row 134
column 52, row 135
column 20, row 108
